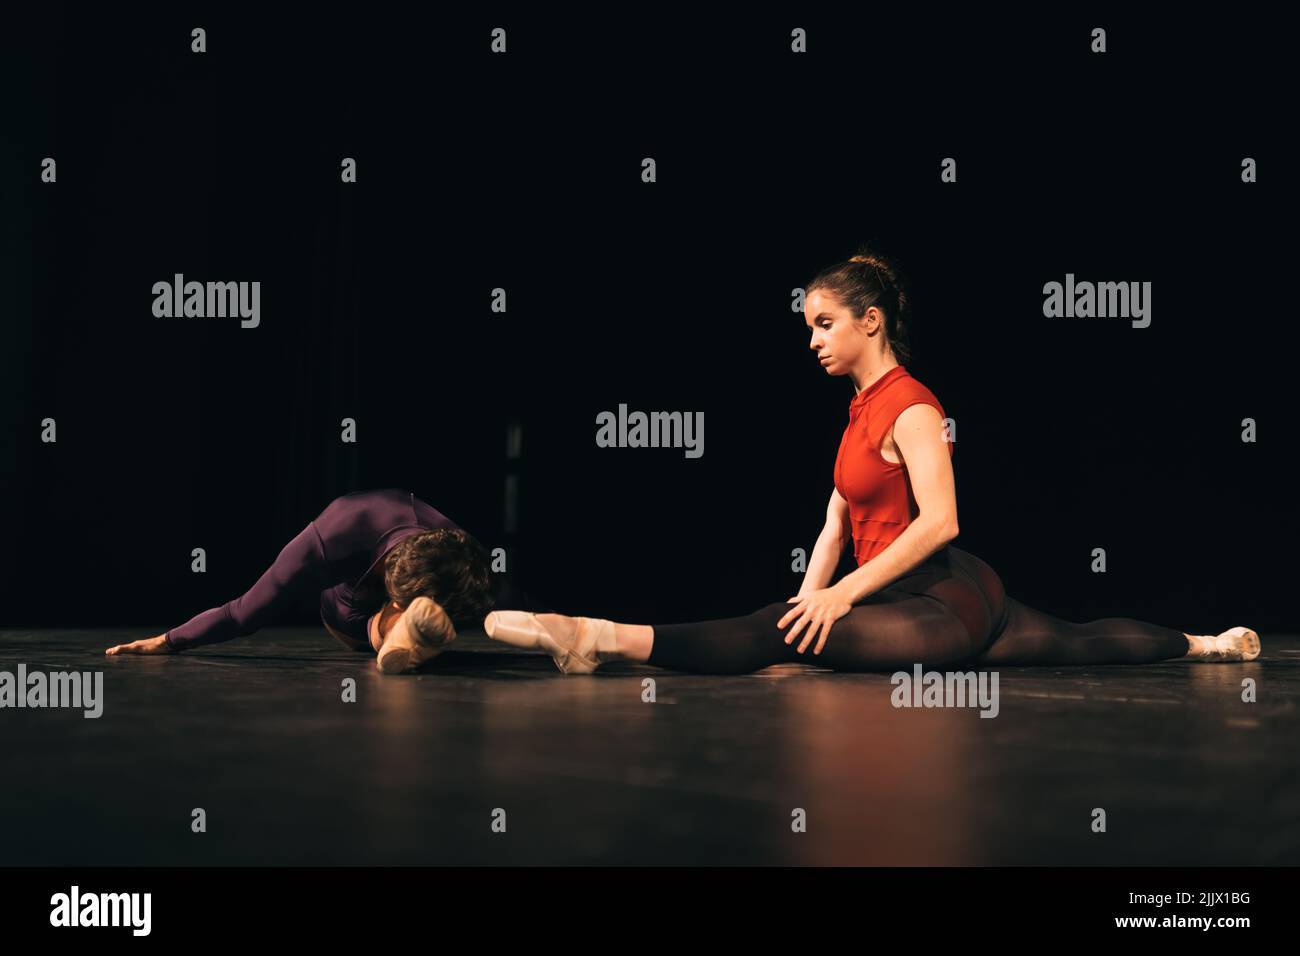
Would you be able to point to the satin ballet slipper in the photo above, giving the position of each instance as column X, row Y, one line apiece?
column 420, row 634
column 1234, row 644
column 575, row 644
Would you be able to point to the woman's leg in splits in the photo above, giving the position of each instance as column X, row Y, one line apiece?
column 952, row 609
column 1028, row 636
column 1024, row 635
column 897, row 632
column 933, row 617
column 1032, row 637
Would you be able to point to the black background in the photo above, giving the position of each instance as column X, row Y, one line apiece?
column 522, row 171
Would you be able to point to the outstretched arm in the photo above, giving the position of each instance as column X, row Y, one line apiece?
column 299, row 569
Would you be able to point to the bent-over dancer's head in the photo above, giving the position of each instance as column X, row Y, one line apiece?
column 450, row 568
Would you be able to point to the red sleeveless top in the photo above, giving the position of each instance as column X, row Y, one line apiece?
column 880, row 497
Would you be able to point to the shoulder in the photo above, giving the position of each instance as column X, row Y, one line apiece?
column 359, row 502
column 908, row 390
column 918, row 413
column 337, row 521
column 908, row 395
column 363, row 512
column 918, row 417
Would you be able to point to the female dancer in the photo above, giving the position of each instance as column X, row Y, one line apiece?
column 394, row 575
column 913, row 598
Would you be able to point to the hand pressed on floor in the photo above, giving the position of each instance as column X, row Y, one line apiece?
column 150, row 645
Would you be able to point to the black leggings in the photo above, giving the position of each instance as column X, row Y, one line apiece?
column 950, row 609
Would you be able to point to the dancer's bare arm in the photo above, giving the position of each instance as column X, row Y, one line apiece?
column 830, row 545
column 924, row 448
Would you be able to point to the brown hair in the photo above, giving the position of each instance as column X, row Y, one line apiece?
column 446, row 564
column 865, row 280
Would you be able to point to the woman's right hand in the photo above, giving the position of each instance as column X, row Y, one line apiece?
column 150, row 645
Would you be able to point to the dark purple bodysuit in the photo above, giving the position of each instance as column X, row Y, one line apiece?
column 331, row 555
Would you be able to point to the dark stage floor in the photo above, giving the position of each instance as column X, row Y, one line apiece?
column 255, row 732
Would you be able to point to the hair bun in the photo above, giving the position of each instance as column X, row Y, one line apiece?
column 883, row 268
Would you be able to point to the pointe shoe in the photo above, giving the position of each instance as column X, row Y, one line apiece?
column 1234, row 644
column 575, row 650
column 420, row 634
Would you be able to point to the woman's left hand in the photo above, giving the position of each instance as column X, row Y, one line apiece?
column 820, row 608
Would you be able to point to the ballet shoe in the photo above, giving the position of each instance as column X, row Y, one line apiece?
column 1234, row 644
column 419, row 635
column 575, row 650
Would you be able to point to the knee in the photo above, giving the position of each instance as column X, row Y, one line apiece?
column 761, row 625
column 771, row 613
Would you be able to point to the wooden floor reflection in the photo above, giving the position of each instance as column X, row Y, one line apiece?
column 583, row 770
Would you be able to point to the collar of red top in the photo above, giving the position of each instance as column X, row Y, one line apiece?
column 875, row 386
